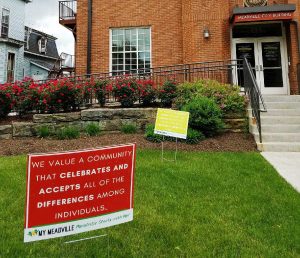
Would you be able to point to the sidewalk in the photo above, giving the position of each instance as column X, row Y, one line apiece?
column 287, row 164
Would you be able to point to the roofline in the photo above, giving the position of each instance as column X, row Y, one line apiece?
column 38, row 65
column 41, row 33
column 45, row 56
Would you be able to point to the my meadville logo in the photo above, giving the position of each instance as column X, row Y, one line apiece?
column 252, row 3
column 51, row 231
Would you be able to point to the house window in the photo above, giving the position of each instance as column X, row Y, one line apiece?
column 130, row 50
column 11, row 67
column 43, row 45
column 4, row 23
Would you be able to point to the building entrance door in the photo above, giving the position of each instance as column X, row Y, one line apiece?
column 268, row 59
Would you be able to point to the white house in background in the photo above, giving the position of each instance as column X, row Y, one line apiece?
column 12, row 13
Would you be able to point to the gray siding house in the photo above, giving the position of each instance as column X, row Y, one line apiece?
column 12, row 17
column 41, row 57
column 24, row 52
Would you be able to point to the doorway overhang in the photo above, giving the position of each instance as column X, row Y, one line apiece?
column 278, row 12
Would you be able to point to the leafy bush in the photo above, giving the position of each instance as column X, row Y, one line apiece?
column 68, row 132
column 147, row 92
column 128, row 129
column 205, row 115
column 100, row 88
column 92, row 129
column 43, row 131
column 63, row 95
column 226, row 96
column 6, row 100
column 168, row 93
column 125, row 90
column 52, row 96
column 150, row 135
column 194, row 136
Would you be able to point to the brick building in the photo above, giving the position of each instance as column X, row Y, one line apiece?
column 120, row 35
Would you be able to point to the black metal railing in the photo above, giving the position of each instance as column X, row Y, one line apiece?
column 228, row 72
column 254, row 94
column 67, row 10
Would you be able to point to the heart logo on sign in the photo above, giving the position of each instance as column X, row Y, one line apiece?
column 253, row 3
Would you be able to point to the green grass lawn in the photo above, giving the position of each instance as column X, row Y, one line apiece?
column 206, row 205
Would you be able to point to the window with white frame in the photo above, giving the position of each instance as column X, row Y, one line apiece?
column 11, row 67
column 130, row 50
column 4, row 23
column 42, row 45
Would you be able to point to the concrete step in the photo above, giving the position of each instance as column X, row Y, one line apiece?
column 275, row 120
column 282, row 105
column 281, row 112
column 279, row 147
column 278, row 137
column 281, row 98
column 279, row 128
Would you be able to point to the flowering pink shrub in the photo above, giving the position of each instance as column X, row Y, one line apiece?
column 125, row 90
column 67, row 94
column 101, row 88
column 168, row 93
column 147, row 91
column 62, row 94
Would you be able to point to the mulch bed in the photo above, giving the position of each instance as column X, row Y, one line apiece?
column 233, row 142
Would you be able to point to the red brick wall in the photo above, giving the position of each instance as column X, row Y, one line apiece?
column 164, row 18
column 177, row 31
column 293, row 50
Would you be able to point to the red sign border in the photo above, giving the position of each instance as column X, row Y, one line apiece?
column 76, row 151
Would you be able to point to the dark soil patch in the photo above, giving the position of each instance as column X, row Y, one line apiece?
column 234, row 142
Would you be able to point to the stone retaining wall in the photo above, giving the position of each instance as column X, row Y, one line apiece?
column 110, row 120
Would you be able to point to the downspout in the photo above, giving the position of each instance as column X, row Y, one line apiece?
column 89, row 38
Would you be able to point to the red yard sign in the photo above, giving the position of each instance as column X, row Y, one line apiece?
column 78, row 191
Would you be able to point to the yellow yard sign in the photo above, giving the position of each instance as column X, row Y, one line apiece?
column 172, row 123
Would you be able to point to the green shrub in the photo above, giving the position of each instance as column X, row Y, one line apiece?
column 68, row 132
column 92, row 129
column 205, row 115
column 227, row 96
column 43, row 131
column 129, row 128
column 168, row 93
column 194, row 136
column 5, row 103
column 150, row 135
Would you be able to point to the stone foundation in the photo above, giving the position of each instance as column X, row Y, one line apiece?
column 110, row 120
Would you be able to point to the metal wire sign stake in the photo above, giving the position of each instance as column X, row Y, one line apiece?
column 91, row 238
column 162, row 151
column 171, row 123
